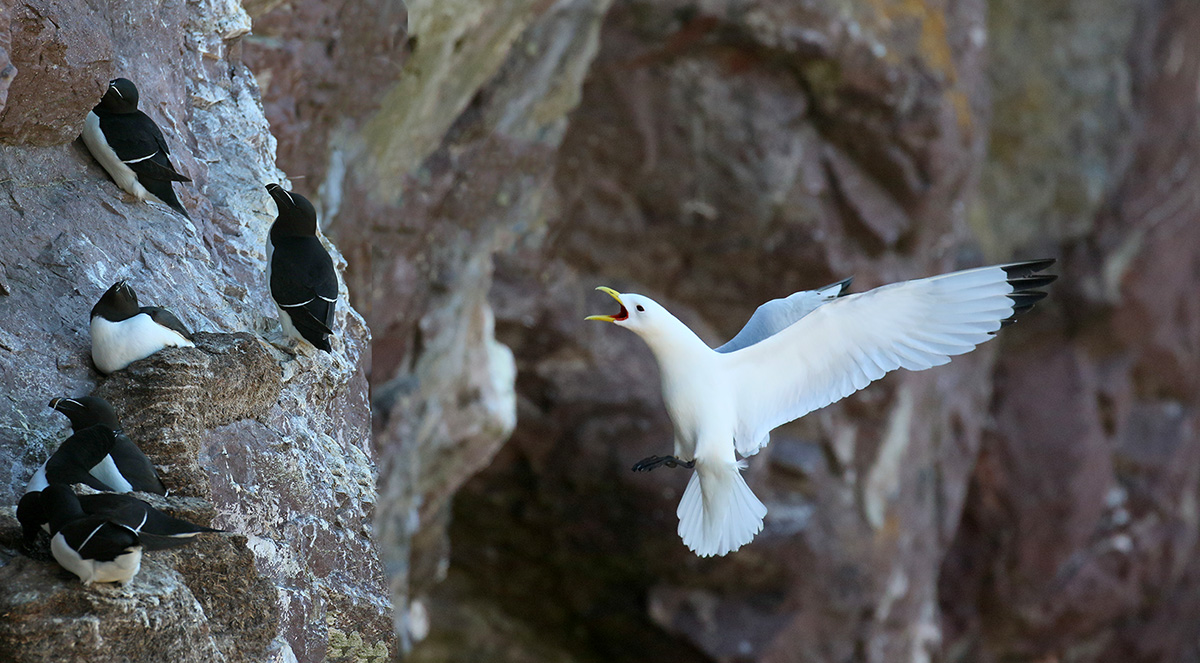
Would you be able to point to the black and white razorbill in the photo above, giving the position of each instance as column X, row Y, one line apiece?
column 157, row 530
column 132, row 466
column 82, row 458
column 131, row 147
column 123, row 332
column 300, row 271
column 97, row 548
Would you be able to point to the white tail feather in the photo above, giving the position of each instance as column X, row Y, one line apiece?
column 718, row 513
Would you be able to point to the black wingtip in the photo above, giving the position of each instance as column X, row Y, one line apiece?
column 178, row 207
column 1019, row 270
column 1025, row 281
column 842, row 287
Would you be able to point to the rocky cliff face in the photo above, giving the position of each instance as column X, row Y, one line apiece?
column 722, row 154
column 483, row 166
column 272, row 447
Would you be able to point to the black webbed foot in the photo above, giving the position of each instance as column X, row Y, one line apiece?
column 647, row 464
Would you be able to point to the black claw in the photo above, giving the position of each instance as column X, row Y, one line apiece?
column 647, row 464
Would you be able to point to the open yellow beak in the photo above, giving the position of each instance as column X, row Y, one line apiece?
column 611, row 318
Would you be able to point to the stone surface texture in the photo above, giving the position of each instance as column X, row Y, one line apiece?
column 270, row 445
column 1032, row 501
column 483, row 166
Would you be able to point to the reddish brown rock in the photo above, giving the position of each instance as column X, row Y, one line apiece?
column 60, row 50
column 7, row 70
column 276, row 443
column 1032, row 508
column 1080, row 535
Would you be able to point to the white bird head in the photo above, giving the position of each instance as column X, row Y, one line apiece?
column 641, row 315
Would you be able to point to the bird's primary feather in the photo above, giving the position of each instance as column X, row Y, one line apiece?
column 845, row 345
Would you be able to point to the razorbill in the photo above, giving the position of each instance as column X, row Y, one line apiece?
column 95, row 548
column 132, row 466
column 123, row 332
column 83, row 458
column 157, row 530
column 300, row 271
column 724, row 404
column 131, row 147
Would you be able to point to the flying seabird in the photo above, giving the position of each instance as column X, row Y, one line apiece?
column 799, row 359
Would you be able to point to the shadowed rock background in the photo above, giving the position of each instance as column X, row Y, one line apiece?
column 483, row 166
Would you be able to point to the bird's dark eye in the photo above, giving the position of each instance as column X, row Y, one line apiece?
column 640, row 308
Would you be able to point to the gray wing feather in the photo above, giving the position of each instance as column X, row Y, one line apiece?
column 779, row 314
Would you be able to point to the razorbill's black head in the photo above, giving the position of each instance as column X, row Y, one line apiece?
column 131, row 147
column 120, row 97
column 94, row 547
column 123, row 332
column 156, row 529
column 32, row 515
column 300, row 271
column 132, row 466
column 87, row 411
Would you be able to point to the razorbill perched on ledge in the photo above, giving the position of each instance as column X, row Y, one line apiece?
column 725, row 404
column 157, row 530
column 131, row 147
column 300, row 271
column 96, row 548
column 83, row 458
column 123, row 332
column 131, row 464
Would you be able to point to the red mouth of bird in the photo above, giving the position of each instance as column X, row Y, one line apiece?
column 623, row 315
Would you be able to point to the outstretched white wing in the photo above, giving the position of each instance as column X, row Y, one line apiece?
column 846, row 344
column 779, row 314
